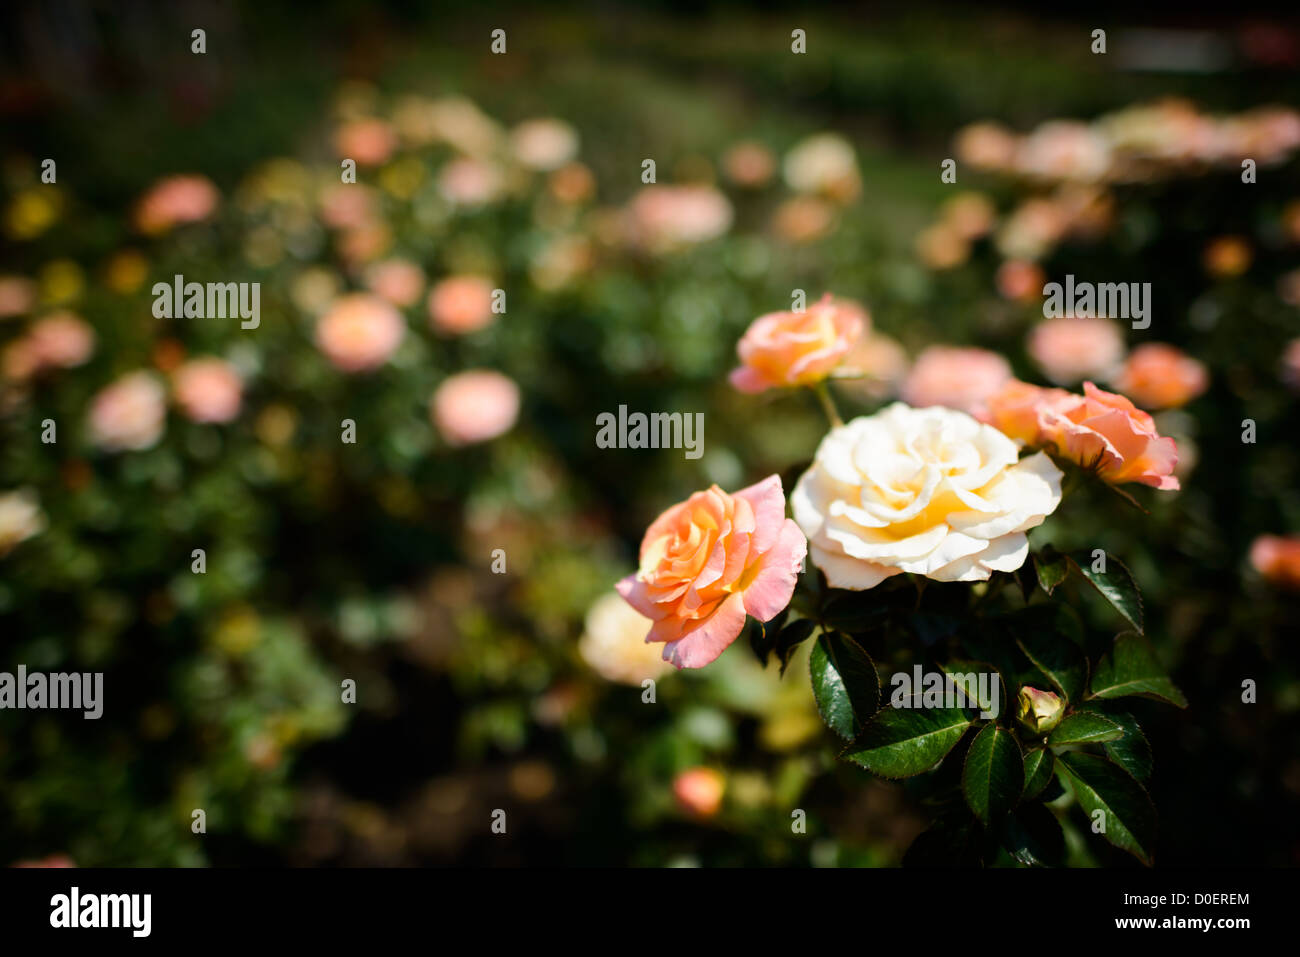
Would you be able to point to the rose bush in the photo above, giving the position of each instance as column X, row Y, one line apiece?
column 934, row 494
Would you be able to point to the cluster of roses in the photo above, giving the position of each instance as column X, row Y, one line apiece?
column 930, row 491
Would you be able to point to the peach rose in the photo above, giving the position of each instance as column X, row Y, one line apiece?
column 959, row 378
column 1160, row 376
column 797, row 348
column 881, row 360
column 749, row 164
column 699, row 791
column 1070, row 349
column 175, row 200
column 1020, row 280
column 708, row 562
column 986, row 146
column 19, row 361
column 662, row 218
column 62, row 340
column 1291, row 364
column 461, row 304
column 368, row 141
column 17, row 296
column 803, row 219
column 475, row 406
column 1227, row 257
column 359, row 332
column 471, row 182
column 208, row 390
column 970, row 215
column 1032, row 229
column 572, row 183
column 942, row 246
column 544, row 144
column 348, row 206
column 1097, row 430
column 400, row 281
column 54, row 860
column 129, row 414
column 1064, row 149
column 1277, row 559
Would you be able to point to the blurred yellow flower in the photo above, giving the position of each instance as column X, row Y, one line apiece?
column 238, row 631
column 61, row 281
column 33, row 211
column 125, row 271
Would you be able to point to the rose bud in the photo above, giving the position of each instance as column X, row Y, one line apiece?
column 1039, row 711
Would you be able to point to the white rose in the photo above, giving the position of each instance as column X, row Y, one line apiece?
column 928, row 491
column 614, row 642
column 20, row 518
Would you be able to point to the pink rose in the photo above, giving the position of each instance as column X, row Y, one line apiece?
column 1097, row 430
column 129, row 414
column 349, row 206
column 461, row 304
column 17, row 296
column 797, row 348
column 475, row 406
column 400, row 281
column 669, row 217
column 959, row 378
column 1071, row 349
column 1291, row 364
column 62, row 340
column 54, row 860
column 360, row 332
column 466, row 181
column 699, row 791
column 1160, row 376
column 368, row 141
column 176, row 200
column 708, row 562
column 1277, row 559
column 208, row 390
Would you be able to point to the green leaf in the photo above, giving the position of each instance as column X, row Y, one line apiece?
column 1033, row 836
column 845, row 684
column 994, row 774
column 1131, row 752
column 1131, row 668
column 901, row 742
column 789, row 638
column 854, row 612
column 1128, row 816
column 965, row 673
column 1084, row 727
column 1052, row 568
column 953, row 840
column 1116, row 585
column 1039, row 764
column 1060, row 661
